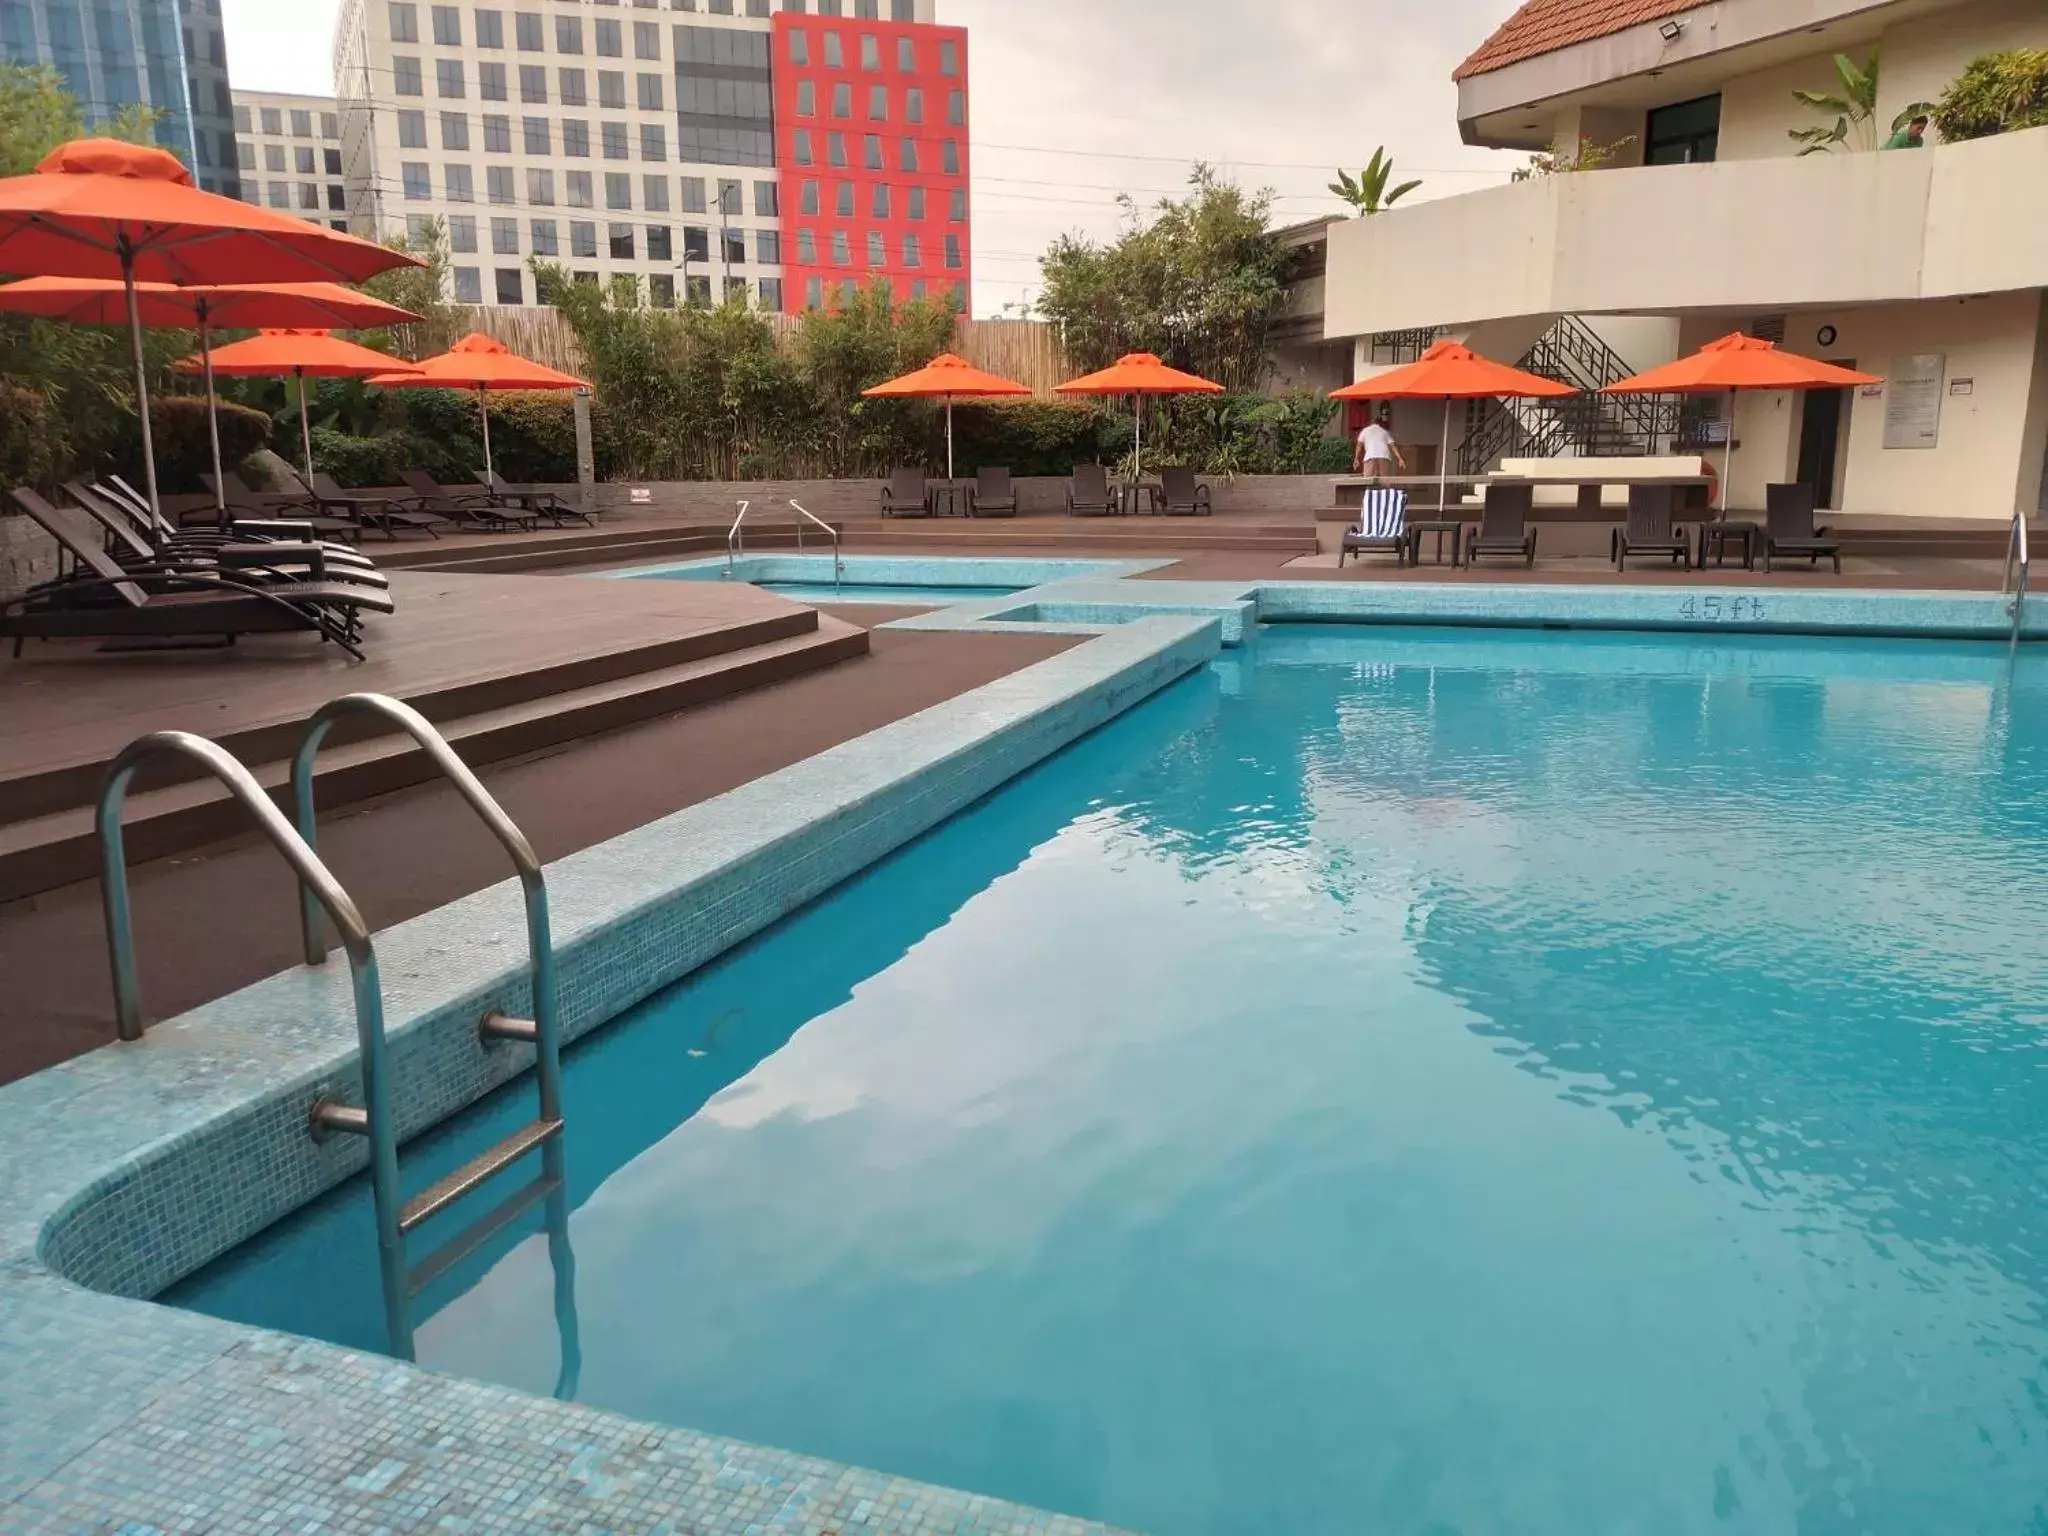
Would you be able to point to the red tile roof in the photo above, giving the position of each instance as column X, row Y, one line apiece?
column 1545, row 26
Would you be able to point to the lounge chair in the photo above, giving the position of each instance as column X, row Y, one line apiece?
column 1382, row 526
column 1504, row 527
column 994, row 494
column 470, row 509
column 373, row 509
column 906, row 495
column 1789, row 531
column 168, row 604
column 275, row 553
column 533, row 499
column 1649, row 530
column 1089, row 493
column 1182, row 495
column 244, row 503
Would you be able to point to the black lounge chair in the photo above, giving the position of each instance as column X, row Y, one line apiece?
column 468, row 509
column 170, row 605
column 1649, row 529
column 1789, row 531
column 244, row 504
column 533, row 499
column 1182, row 495
column 276, row 556
column 994, row 494
column 906, row 494
column 1089, row 493
column 1382, row 527
column 1504, row 527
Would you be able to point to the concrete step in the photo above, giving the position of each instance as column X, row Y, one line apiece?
column 617, row 547
column 57, row 849
column 1120, row 535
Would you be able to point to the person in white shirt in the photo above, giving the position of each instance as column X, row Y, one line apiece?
column 1377, row 453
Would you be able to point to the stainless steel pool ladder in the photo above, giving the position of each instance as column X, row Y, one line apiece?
column 2017, row 565
column 321, row 894
column 736, row 542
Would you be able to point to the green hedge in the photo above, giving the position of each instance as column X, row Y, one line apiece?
column 1998, row 93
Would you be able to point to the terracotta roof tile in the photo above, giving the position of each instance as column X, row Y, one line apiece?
column 1545, row 26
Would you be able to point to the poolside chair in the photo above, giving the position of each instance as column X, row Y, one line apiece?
column 994, row 494
column 372, row 509
column 1789, row 530
column 475, row 509
column 906, row 494
column 1382, row 526
column 533, row 499
column 1504, row 527
column 244, row 503
column 276, row 555
column 1089, row 493
column 1649, row 530
column 170, row 605
column 1182, row 495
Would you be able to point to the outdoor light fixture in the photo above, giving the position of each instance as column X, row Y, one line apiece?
column 1671, row 31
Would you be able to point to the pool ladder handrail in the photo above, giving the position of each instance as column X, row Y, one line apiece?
column 396, row 1217
column 2017, row 562
column 735, row 542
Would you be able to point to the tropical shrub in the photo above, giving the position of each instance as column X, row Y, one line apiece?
column 1030, row 437
column 1998, row 93
column 184, row 449
column 27, row 449
column 1853, row 107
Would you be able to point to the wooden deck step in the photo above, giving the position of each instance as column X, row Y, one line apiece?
column 56, row 849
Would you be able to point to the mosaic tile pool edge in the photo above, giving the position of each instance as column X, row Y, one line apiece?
column 232, row 1081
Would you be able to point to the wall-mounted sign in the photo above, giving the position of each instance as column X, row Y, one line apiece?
column 1826, row 335
column 1912, row 400
column 1962, row 386
column 1871, row 391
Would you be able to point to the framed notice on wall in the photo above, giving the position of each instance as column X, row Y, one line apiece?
column 1912, row 401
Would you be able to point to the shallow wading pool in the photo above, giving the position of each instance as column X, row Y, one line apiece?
column 1393, row 1081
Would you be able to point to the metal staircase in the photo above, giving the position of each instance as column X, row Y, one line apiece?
column 323, row 900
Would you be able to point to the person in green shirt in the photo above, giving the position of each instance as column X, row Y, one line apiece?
column 1912, row 136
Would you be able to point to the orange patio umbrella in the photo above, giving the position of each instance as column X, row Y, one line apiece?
column 1139, row 373
column 1451, row 371
column 104, row 301
column 949, row 378
column 104, row 208
column 482, row 363
column 300, row 355
column 1734, row 363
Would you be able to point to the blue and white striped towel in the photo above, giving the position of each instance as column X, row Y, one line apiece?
column 1385, row 515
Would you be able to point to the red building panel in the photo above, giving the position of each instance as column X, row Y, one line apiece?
column 871, row 140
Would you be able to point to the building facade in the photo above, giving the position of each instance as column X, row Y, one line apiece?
column 620, row 138
column 291, row 155
column 166, row 55
column 1926, row 266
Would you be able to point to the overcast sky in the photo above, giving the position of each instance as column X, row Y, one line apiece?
column 1076, row 100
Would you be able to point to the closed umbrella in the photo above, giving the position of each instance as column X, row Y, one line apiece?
column 947, row 378
column 299, row 355
column 1452, row 371
column 233, row 306
column 1139, row 374
column 482, row 363
column 104, row 208
column 1734, row 363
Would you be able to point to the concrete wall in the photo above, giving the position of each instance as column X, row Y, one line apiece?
column 1758, row 112
column 1922, row 56
column 1289, row 498
column 27, row 555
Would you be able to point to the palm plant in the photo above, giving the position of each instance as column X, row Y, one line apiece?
column 1368, row 191
column 1854, row 110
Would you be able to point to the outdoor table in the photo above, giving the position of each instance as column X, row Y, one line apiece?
column 949, row 498
column 1129, row 491
column 1715, row 538
column 1440, row 526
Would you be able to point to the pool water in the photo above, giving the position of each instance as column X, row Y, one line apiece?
column 1392, row 1082
column 882, row 593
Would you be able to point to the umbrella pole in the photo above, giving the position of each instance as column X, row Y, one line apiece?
column 220, row 485
column 949, row 437
column 1138, row 449
column 483, row 399
column 141, row 378
column 1728, row 459
column 1443, row 466
column 305, row 427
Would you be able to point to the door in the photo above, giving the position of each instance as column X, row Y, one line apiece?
column 1820, row 442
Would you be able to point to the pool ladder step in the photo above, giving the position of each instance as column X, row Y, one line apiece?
column 321, row 899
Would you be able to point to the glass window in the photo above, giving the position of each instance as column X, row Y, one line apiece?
column 611, row 42
column 870, row 51
column 952, row 159
column 497, row 134
column 616, row 146
column 915, row 200
column 448, row 79
column 570, row 85
column 693, row 194
column 582, row 238
column 568, row 34
column 412, row 134
column 490, row 28
column 913, row 105
column 842, row 100
column 309, row 197
column 498, row 185
column 730, row 203
column 646, row 40
column 956, row 108
column 538, row 137
column 533, row 83
column 878, row 200
column 454, row 132
column 649, row 92
column 661, row 288
column 806, row 99
column 949, row 58
column 842, row 249
column 273, row 154
column 273, row 121
column 245, row 121
column 577, row 188
column 768, row 247
column 906, row 155
column 903, row 10
column 953, row 252
column 405, row 21
column 611, row 89
column 278, row 194
column 447, row 26
column 245, row 156
column 696, row 244
column 906, row 56
column 799, row 46
column 878, row 103
column 835, row 56
column 540, row 186
column 621, row 239
column 405, row 77
column 806, row 248
column 767, row 200
column 913, row 253
column 456, row 179
column 734, row 245
column 526, row 26
column 699, row 291
column 874, row 158
column 504, row 237
column 1688, row 133
column 654, row 193
column 330, row 159
column 330, row 125
column 814, row 293
column 462, row 233
column 845, row 203
column 302, row 124
column 543, row 237
column 618, row 190
column 807, row 199
column 576, row 137
column 771, row 293
column 653, row 142
column 469, row 285
column 511, row 285
column 835, row 149
column 957, row 205
column 490, row 80
column 659, row 246
column 800, row 148
column 736, row 288
column 878, row 255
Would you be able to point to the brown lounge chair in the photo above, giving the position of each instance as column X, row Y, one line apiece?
column 172, row 605
column 905, row 494
column 1182, row 495
column 1504, row 526
column 1089, row 494
column 1382, row 527
column 244, row 503
column 275, row 557
column 1649, row 529
column 994, row 494
column 533, row 499
column 1789, row 531
column 474, row 508
column 371, row 509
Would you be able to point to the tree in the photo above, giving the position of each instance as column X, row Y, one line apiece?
column 1369, row 193
column 1854, row 109
column 37, row 113
column 1200, row 284
column 1998, row 93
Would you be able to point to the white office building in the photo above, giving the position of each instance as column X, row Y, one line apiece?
column 290, row 150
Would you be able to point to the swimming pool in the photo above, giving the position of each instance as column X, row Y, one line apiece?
column 886, row 594
column 1391, row 1081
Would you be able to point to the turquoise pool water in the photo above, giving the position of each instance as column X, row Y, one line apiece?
column 1394, row 1082
column 869, row 592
